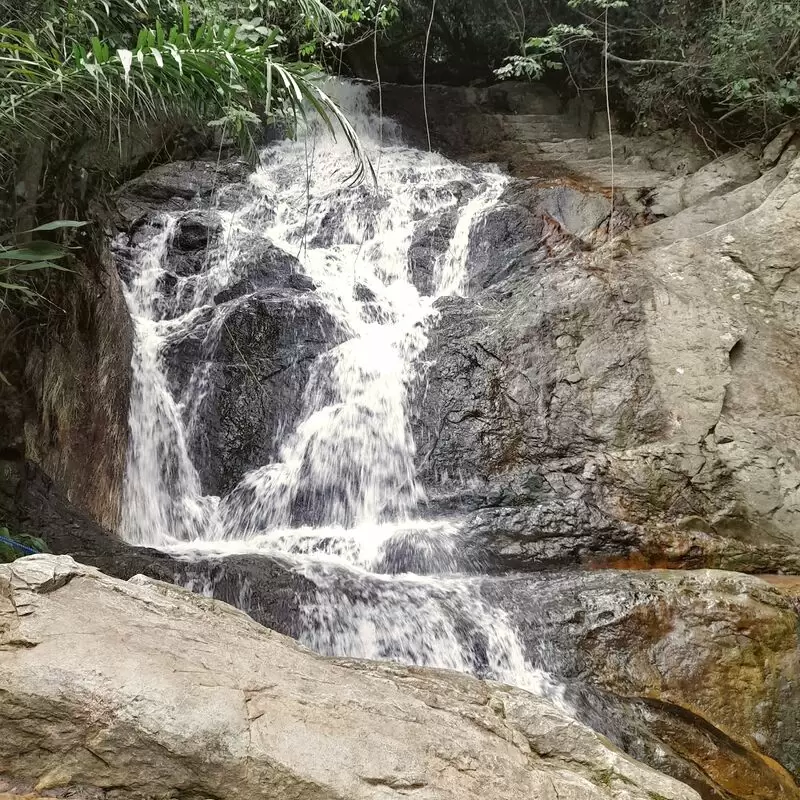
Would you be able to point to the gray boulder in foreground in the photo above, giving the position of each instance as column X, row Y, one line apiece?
column 145, row 690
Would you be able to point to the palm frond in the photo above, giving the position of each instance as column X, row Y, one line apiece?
column 197, row 74
column 317, row 14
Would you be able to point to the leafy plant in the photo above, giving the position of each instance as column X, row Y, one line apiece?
column 731, row 67
column 91, row 69
column 202, row 73
column 19, row 262
column 542, row 53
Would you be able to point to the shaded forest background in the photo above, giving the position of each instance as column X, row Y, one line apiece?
column 94, row 91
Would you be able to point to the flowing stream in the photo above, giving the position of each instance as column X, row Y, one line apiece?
column 339, row 501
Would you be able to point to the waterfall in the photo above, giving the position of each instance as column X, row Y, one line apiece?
column 339, row 500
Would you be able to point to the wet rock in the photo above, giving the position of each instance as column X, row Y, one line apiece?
column 198, row 230
column 553, row 534
column 193, row 244
column 262, row 265
column 181, row 185
column 568, row 533
column 431, row 240
column 263, row 585
column 222, row 707
column 529, row 224
column 363, row 293
column 680, row 743
column 658, row 385
column 333, row 226
column 549, row 364
column 502, row 242
column 249, row 365
column 677, row 646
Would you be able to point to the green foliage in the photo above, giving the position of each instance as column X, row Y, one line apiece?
column 754, row 59
column 9, row 553
column 19, row 263
column 90, row 69
column 728, row 66
column 709, row 61
column 542, row 53
column 367, row 13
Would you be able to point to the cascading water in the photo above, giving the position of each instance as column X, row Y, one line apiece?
column 339, row 499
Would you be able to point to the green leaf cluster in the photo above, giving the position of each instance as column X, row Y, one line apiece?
column 97, row 68
column 730, row 67
column 19, row 262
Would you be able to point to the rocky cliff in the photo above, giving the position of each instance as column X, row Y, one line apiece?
column 650, row 377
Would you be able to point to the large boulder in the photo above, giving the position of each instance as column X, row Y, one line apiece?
column 148, row 690
column 181, row 185
column 695, row 654
column 260, row 264
column 619, row 641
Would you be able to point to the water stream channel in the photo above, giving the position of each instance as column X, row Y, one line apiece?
column 338, row 499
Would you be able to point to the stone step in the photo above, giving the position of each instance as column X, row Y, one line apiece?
column 535, row 128
column 587, row 148
column 594, row 170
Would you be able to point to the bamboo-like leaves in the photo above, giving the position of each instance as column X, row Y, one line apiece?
column 168, row 74
column 31, row 257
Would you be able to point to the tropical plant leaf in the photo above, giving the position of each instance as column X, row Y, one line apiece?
column 27, row 266
column 45, row 97
column 33, row 251
column 57, row 225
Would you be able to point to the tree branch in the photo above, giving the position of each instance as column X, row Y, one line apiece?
column 639, row 62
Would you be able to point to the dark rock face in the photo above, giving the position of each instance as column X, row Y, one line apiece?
column 545, row 366
column 251, row 361
column 64, row 395
column 196, row 236
column 633, row 381
column 182, row 185
column 431, row 239
column 264, row 266
column 529, row 364
column 570, row 533
column 500, row 242
column 265, row 587
column 550, row 535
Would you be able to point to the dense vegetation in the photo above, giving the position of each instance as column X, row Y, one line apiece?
column 89, row 68
column 82, row 80
column 728, row 68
